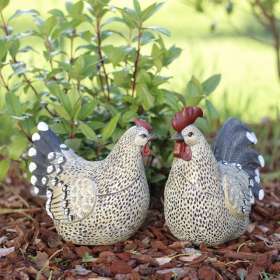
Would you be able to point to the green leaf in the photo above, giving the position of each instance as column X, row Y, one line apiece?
column 212, row 113
column 144, row 78
column 3, row 49
column 14, row 47
column 87, row 131
column 24, row 12
column 56, row 12
column 211, row 84
column 160, row 29
column 97, row 124
column 109, row 129
column 98, row 7
column 59, row 109
column 128, row 117
column 145, row 97
column 83, row 67
column 157, row 56
column 203, row 124
column 150, row 10
column 75, row 10
column 61, row 128
column 86, row 35
column 19, row 67
column 75, row 102
column 77, row 69
column 122, row 78
column 157, row 178
column 74, row 143
column 67, row 108
column 147, row 37
column 115, row 55
column 17, row 146
column 130, row 18
column 194, row 92
column 87, row 109
column 13, row 104
column 172, row 101
column 4, row 168
column 47, row 26
column 4, row 4
column 171, row 54
column 137, row 7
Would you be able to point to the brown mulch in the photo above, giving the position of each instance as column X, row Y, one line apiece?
column 31, row 249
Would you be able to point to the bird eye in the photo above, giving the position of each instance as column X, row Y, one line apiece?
column 190, row 134
column 144, row 135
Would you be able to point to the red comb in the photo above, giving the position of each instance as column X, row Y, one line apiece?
column 143, row 123
column 185, row 117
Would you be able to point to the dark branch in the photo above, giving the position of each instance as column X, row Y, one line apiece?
column 136, row 63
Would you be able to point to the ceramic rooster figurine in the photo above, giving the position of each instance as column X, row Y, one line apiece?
column 209, row 192
column 92, row 203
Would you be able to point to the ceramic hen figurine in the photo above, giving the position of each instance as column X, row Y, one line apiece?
column 209, row 192
column 92, row 203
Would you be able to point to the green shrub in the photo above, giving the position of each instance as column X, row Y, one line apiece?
column 96, row 68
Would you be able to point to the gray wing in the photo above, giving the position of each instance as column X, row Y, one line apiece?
column 237, row 192
column 72, row 196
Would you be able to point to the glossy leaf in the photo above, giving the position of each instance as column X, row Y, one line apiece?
column 17, row 146
column 19, row 13
column 87, row 109
column 194, row 92
column 60, row 110
column 160, row 30
column 87, row 131
column 48, row 25
column 150, row 10
column 3, row 49
column 73, row 143
column 128, row 117
column 171, row 54
column 212, row 112
column 137, row 7
column 75, row 10
column 19, row 67
column 115, row 55
column 145, row 97
column 211, row 84
column 129, row 17
column 109, row 129
column 14, row 46
column 13, row 104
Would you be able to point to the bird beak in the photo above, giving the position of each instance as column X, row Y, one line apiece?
column 177, row 137
column 153, row 137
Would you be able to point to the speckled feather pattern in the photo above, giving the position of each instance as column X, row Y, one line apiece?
column 122, row 196
column 194, row 206
column 101, row 202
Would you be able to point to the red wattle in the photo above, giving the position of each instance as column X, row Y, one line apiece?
column 146, row 150
column 183, row 151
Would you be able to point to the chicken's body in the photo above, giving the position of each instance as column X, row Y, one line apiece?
column 95, row 202
column 207, row 200
column 195, row 207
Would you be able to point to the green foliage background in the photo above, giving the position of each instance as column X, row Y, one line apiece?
column 85, row 86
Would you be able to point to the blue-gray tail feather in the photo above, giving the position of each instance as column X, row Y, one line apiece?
column 233, row 144
column 45, row 143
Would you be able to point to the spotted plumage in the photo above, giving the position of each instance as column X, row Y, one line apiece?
column 92, row 203
column 209, row 192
